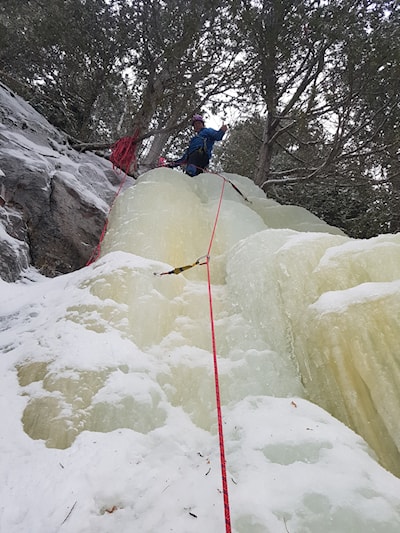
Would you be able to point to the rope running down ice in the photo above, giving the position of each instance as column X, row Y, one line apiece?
column 205, row 260
column 216, row 375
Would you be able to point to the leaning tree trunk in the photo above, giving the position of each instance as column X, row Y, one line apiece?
column 153, row 155
column 151, row 158
column 152, row 97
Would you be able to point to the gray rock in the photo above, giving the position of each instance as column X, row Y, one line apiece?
column 54, row 201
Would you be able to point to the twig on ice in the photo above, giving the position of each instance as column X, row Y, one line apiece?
column 66, row 518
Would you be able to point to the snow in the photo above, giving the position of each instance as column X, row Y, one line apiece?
column 4, row 236
column 107, row 402
column 338, row 301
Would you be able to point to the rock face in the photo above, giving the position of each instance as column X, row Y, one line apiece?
column 54, row 201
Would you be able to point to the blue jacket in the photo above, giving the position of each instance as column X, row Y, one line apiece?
column 206, row 138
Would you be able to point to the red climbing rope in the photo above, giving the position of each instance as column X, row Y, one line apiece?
column 205, row 260
column 122, row 150
column 216, row 375
column 123, row 153
column 123, row 156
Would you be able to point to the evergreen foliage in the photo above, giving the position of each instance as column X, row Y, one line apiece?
column 315, row 83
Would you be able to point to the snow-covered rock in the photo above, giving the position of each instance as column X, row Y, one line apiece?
column 54, row 201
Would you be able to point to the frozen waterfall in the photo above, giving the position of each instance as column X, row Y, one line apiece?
column 110, row 371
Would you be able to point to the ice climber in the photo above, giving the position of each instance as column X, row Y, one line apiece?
column 198, row 154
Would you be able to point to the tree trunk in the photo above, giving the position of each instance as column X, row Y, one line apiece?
column 151, row 158
column 265, row 153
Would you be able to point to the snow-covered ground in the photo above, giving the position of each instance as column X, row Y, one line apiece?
column 107, row 401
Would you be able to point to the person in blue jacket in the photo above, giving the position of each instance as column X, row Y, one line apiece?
column 198, row 154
